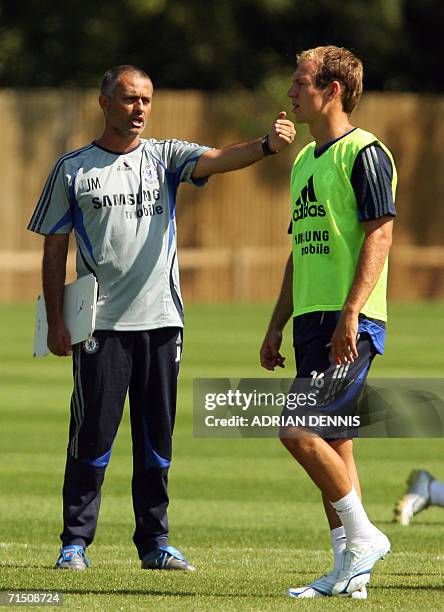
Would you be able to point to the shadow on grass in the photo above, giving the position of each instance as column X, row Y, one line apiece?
column 165, row 593
column 295, row 574
column 153, row 592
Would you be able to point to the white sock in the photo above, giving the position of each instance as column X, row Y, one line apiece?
column 338, row 541
column 358, row 528
column 437, row 493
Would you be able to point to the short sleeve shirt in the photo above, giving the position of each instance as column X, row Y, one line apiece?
column 121, row 207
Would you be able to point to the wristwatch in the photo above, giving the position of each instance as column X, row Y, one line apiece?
column 266, row 147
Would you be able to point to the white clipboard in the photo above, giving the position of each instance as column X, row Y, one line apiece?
column 79, row 313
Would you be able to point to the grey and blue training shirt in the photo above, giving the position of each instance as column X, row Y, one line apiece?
column 121, row 207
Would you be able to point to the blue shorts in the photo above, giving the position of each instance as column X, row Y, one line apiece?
column 337, row 388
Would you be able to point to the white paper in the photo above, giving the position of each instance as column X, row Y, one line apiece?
column 79, row 313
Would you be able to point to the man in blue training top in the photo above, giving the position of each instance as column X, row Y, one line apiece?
column 118, row 194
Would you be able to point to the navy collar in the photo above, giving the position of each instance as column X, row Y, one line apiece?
column 117, row 152
column 318, row 152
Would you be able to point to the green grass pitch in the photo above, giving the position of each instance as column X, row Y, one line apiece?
column 241, row 510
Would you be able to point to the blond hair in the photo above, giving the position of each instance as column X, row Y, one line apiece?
column 336, row 64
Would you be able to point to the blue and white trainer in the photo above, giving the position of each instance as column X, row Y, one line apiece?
column 357, row 564
column 323, row 587
column 416, row 498
column 72, row 557
column 166, row 558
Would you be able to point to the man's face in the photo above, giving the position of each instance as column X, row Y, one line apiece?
column 127, row 110
column 308, row 100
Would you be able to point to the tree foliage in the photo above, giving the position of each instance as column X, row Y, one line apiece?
column 217, row 44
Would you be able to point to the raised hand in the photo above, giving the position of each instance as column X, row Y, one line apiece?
column 282, row 133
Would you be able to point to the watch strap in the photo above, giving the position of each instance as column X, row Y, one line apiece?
column 266, row 147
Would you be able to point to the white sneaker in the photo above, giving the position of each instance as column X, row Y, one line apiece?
column 357, row 564
column 322, row 587
column 417, row 497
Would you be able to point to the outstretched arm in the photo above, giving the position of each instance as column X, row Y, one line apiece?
column 244, row 154
column 270, row 356
column 54, row 272
column 374, row 251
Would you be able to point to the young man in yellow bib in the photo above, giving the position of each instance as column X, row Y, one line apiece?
column 343, row 188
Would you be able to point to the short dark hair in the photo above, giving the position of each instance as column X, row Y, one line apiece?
column 110, row 77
